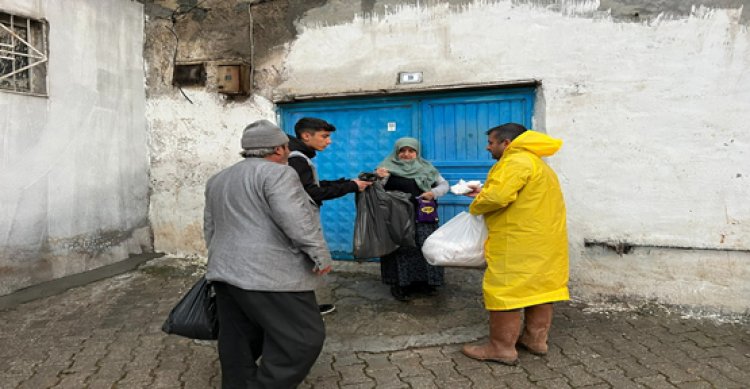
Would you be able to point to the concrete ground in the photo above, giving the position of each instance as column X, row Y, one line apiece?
column 107, row 335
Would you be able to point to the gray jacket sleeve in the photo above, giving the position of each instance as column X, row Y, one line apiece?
column 296, row 215
column 441, row 188
column 208, row 222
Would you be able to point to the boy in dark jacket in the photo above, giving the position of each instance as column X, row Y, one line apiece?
column 313, row 135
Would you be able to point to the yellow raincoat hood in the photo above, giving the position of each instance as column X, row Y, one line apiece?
column 537, row 143
column 527, row 245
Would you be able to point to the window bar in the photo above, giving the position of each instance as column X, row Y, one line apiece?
column 13, row 61
column 31, row 39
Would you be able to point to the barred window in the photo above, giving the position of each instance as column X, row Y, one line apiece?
column 23, row 54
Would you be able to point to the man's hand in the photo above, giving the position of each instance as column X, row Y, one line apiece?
column 323, row 271
column 475, row 189
column 361, row 185
column 427, row 196
column 382, row 172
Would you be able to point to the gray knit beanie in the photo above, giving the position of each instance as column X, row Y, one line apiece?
column 261, row 134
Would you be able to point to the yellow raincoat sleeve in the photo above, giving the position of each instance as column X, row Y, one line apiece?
column 504, row 181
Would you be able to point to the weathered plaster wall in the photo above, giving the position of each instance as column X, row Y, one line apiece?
column 650, row 98
column 74, row 165
column 194, row 131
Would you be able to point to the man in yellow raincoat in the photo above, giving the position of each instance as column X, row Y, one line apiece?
column 527, row 245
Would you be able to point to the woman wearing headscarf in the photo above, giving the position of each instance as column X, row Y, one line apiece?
column 404, row 170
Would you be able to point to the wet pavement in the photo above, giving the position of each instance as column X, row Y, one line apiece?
column 108, row 335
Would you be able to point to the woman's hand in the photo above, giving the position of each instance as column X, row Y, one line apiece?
column 427, row 196
column 382, row 172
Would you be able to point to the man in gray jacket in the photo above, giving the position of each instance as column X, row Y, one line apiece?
column 265, row 254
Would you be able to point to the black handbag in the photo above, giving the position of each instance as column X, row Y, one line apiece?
column 195, row 315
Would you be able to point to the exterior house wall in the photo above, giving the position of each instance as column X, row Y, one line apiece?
column 74, row 164
column 650, row 101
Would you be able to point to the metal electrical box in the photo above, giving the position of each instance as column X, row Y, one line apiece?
column 189, row 74
column 233, row 79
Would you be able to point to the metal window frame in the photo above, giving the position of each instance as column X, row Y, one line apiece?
column 36, row 57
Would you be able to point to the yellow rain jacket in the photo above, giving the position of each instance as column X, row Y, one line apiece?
column 527, row 245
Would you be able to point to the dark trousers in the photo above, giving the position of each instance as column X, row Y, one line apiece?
column 285, row 328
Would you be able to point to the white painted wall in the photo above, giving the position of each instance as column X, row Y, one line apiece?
column 74, row 165
column 190, row 142
column 654, row 118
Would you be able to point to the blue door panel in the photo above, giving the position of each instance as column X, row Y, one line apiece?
column 450, row 126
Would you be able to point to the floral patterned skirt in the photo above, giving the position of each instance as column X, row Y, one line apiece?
column 407, row 265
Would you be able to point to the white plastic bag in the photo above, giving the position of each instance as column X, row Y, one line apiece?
column 462, row 187
column 459, row 242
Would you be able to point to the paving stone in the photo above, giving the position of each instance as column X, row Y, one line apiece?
column 578, row 376
column 655, row 382
column 450, row 384
column 634, row 369
column 420, row 382
column 499, row 370
column 41, row 379
column 353, row 375
column 674, row 373
column 557, row 383
column 73, row 381
column 715, row 377
column 695, row 385
column 100, row 383
column 374, row 362
column 402, row 354
column 480, row 377
column 412, row 367
column 444, row 371
column 323, row 370
column 329, row 382
column 695, row 352
column 617, row 379
column 517, row 381
column 386, row 378
column 431, row 355
column 359, row 386
column 346, row 359
column 538, row 370
column 8, row 381
column 555, row 358
column 701, row 340
column 166, row 378
column 729, row 370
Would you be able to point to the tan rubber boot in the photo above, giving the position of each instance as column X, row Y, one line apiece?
column 537, row 322
column 504, row 329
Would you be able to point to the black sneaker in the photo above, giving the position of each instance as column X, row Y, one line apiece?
column 326, row 308
column 400, row 293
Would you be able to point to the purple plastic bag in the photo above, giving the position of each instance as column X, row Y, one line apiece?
column 426, row 211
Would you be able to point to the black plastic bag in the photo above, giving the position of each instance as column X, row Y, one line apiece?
column 385, row 222
column 195, row 315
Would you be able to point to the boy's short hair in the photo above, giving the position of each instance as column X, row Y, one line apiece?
column 312, row 125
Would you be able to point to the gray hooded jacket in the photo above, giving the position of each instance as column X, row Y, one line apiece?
column 262, row 230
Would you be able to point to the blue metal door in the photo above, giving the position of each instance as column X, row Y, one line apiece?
column 450, row 126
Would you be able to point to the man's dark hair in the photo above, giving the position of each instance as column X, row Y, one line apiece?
column 508, row 131
column 312, row 125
